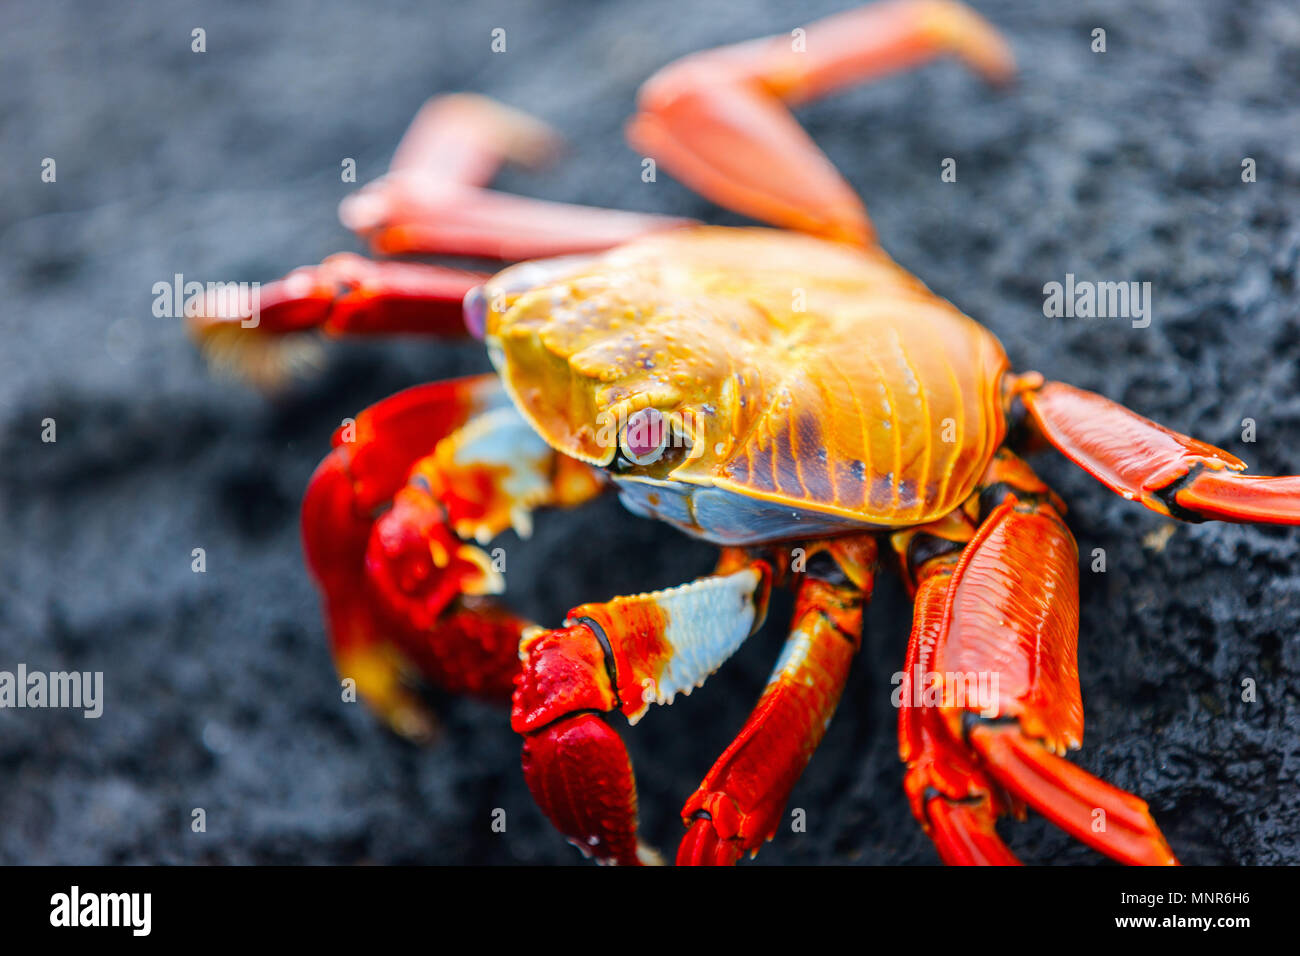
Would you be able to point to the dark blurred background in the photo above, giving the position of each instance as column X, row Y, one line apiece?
column 225, row 165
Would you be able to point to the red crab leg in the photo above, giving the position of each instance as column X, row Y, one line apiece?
column 1169, row 473
column 951, row 796
column 1001, row 625
column 741, row 800
column 401, row 585
column 344, row 295
column 432, row 201
column 624, row 654
column 720, row 120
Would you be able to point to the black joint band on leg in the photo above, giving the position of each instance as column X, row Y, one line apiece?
column 933, row 793
column 1168, row 495
column 971, row 719
column 824, row 567
column 1022, row 432
column 606, row 649
column 925, row 547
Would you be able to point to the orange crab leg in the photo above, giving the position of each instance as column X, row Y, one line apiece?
column 432, row 201
column 424, row 219
column 740, row 802
column 1167, row 472
column 383, row 525
column 1072, row 798
column 621, row 655
column 464, row 138
column 1000, row 624
column 720, row 120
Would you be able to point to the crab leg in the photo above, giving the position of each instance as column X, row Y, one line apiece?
column 464, row 138
column 624, row 655
column 1167, row 472
column 415, row 217
column 344, row 295
column 992, row 696
column 720, row 120
column 740, row 802
column 432, row 201
column 385, row 523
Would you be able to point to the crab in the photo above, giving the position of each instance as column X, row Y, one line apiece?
column 786, row 392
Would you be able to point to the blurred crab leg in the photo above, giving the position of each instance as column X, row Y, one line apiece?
column 740, row 802
column 621, row 655
column 1168, row 472
column 420, row 219
column 1005, row 635
column 400, row 590
column 432, row 202
column 464, row 138
column 344, row 295
column 349, row 294
column 720, row 120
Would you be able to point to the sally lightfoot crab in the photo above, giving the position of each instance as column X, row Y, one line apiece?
column 778, row 392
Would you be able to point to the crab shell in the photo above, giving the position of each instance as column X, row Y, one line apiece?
column 808, row 386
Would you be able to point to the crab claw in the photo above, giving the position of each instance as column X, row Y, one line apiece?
column 402, row 592
column 417, row 566
column 576, row 766
column 583, row 755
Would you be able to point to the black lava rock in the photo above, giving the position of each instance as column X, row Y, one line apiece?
column 222, row 165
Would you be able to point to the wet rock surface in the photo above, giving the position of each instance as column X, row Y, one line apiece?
column 225, row 165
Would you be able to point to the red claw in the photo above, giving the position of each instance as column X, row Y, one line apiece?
column 400, row 590
column 581, row 755
column 415, row 563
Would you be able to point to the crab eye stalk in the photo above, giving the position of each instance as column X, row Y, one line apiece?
column 475, row 311
column 644, row 436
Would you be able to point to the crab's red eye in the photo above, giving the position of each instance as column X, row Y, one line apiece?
column 475, row 309
column 645, row 436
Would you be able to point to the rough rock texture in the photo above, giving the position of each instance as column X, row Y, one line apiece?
column 225, row 165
